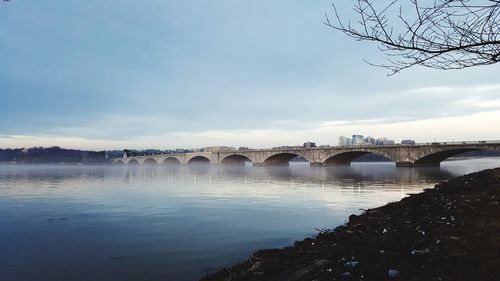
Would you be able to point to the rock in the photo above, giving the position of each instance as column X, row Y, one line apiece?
column 393, row 273
column 353, row 218
column 346, row 274
column 299, row 274
column 351, row 264
column 424, row 251
column 254, row 267
column 321, row 263
column 427, row 249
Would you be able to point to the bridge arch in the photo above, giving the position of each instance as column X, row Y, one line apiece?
column 235, row 159
column 133, row 162
column 199, row 160
column 171, row 161
column 345, row 158
column 150, row 162
column 119, row 162
column 435, row 158
column 280, row 159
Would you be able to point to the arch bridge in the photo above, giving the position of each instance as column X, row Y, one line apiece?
column 403, row 155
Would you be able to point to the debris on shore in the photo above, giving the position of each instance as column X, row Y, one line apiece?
column 450, row 232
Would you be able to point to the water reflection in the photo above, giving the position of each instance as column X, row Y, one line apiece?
column 360, row 174
column 179, row 222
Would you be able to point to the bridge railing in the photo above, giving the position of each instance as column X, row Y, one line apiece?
column 460, row 142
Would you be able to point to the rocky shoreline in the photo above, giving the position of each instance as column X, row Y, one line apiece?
column 450, row 232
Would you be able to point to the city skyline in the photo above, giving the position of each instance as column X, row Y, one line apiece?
column 164, row 74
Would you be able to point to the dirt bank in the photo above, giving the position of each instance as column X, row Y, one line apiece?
column 450, row 232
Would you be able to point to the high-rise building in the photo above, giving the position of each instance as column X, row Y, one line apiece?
column 384, row 141
column 358, row 140
column 380, row 141
column 344, row 141
column 369, row 140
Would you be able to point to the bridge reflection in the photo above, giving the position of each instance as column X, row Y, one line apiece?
column 386, row 174
column 359, row 175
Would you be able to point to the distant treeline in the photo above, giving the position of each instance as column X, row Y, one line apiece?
column 56, row 154
column 52, row 155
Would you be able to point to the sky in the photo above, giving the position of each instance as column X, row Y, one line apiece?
column 103, row 74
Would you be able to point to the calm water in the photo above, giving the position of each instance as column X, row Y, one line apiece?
column 178, row 223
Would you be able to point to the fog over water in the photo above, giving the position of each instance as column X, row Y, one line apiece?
column 180, row 222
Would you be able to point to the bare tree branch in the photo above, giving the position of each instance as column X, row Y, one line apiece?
column 441, row 34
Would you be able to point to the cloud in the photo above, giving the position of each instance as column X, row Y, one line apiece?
column 263, row 112
column 172, row 69
column 464, row 128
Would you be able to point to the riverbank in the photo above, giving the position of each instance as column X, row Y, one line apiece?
column 450, row 232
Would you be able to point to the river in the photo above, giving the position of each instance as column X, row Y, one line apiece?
column 60, row 222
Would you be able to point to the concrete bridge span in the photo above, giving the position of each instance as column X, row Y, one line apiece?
column 403, row 155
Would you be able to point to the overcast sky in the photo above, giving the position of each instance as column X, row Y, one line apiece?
column 100, row 74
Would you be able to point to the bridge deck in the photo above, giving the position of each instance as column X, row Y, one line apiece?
column 403, row 155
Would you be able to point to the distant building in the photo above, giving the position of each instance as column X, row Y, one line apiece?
column 390, row 142
column 358, row 140
column 380, row 141
column 384, row 141
column 309, row 144
column 408, row 142
column 370, row 140
column 344, row 141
